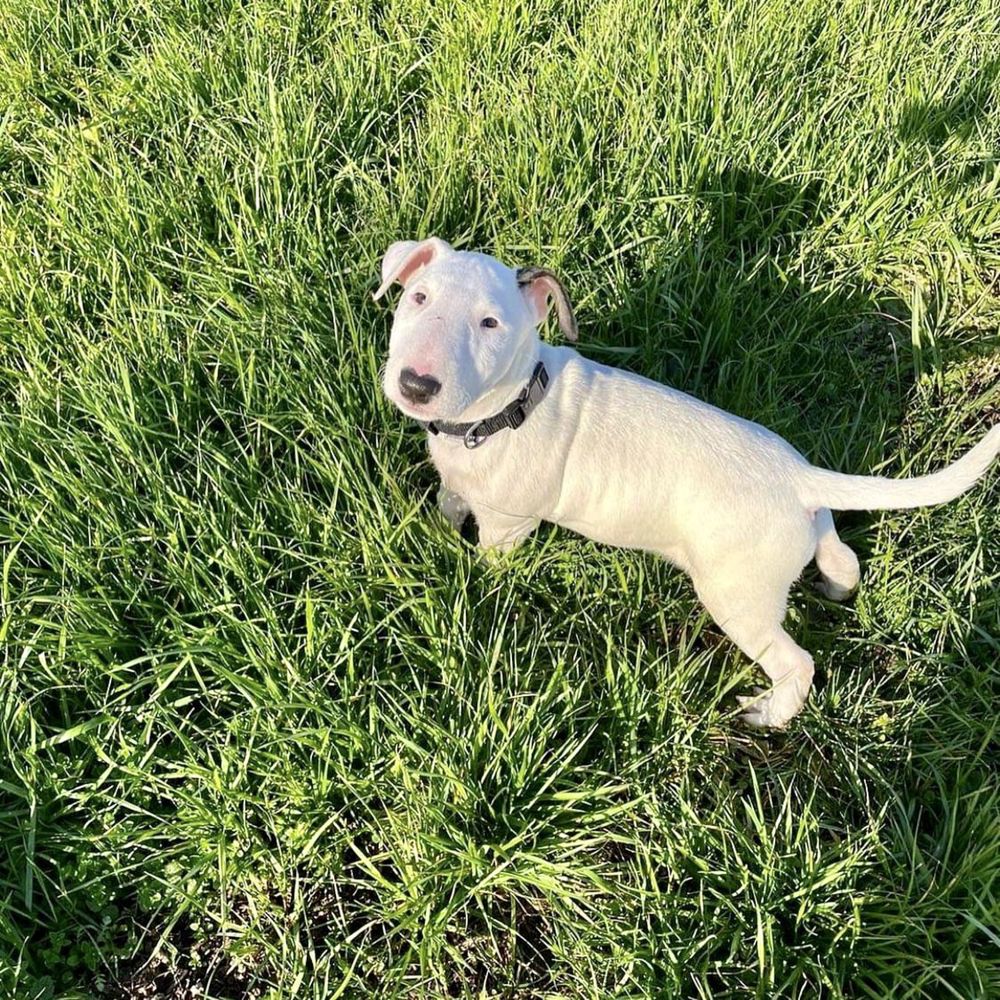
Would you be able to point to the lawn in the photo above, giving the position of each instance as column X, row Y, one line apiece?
column 268, row 727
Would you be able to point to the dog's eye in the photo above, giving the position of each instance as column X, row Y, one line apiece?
column 490, row 322
column 419, row 298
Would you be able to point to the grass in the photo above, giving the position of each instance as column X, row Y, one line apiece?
column 267, row 727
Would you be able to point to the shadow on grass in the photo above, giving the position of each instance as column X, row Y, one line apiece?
column 958, row 117
column 936, row 121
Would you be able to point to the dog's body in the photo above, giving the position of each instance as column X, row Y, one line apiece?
column 629, row 462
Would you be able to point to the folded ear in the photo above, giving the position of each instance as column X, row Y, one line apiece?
column 538, row 286
column 403, row 259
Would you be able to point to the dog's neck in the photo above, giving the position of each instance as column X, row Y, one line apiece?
column 506, row 389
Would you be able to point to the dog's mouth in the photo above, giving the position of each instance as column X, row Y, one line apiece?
column 415, row 411
column 412, row 410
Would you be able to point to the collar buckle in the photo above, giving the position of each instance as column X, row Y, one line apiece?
column 516, row 416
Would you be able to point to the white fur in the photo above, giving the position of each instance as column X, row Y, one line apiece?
column 629, row 462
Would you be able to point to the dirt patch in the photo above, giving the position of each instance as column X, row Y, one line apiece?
column 185, row 966
column 520, row 959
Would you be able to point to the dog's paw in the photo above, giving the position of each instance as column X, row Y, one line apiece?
column 834, row 591
column 454, row 508
column 755, row 707
column 765, row 710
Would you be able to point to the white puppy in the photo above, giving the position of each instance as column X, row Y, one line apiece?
column 621, row 459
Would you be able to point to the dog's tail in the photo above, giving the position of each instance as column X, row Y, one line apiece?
column 822, row 488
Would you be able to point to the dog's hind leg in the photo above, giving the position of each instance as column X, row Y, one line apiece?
column 751, row 616
column 837, row 564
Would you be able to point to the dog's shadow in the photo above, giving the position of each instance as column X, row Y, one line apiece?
column 728, row 317
column 945, row 125
column 723, row 312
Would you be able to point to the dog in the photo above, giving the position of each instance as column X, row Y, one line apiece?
column 521, row 431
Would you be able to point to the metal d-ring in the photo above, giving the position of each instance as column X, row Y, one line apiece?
column 471, row 441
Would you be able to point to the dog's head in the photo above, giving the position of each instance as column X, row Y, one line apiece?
column 465, row 329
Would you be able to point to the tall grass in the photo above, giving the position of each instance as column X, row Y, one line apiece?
column 267, row 727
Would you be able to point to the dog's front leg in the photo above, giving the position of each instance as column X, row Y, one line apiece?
column 454, row 507
column 502, row 532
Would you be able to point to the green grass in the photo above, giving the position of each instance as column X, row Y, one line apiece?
column 267, row 727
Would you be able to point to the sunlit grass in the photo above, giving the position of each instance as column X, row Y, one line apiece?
column 267, row 727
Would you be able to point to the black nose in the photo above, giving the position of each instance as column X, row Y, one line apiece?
column 417, row 388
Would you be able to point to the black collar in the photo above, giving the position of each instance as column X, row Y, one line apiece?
column 512, row 415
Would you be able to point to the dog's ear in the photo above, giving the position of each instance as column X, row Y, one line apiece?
column 403, row 259
column 538, row 286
